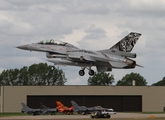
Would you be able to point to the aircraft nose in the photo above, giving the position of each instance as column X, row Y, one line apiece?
column 23, row 47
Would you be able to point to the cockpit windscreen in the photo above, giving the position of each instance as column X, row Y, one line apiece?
column 55, row 42
column 52, row 42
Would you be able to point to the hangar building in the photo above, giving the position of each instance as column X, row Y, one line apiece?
column 120, row 98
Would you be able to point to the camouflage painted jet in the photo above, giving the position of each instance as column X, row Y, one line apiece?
column 62, row 53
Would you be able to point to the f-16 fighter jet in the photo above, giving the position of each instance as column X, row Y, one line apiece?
column 62, row 53
column 26, row 109
column 42, row 110
column 86, row 110
column 64, row 109
column 47, row 110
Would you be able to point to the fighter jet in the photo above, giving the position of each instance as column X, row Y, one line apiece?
column 26, row 109
column 47, row 110
column 42, row 110
column 85, row 110
column 64, row 109
column 62, row 53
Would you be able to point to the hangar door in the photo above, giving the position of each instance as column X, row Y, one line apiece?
column 118, row 103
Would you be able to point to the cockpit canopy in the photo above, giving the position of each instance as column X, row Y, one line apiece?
column 52, row 42
column 55, row 42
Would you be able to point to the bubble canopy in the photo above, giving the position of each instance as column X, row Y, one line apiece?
column 55, row 42
column 51, row 41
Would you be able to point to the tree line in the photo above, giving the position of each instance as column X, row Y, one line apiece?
column 36, row 74
column 41, row 74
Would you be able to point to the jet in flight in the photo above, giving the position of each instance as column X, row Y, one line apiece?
column 118, row 56
column 64, row 109
column 85, row 110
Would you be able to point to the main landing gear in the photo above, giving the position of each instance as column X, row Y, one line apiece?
column 82, row 72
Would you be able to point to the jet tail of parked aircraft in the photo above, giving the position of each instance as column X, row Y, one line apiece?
column 42, row 106
column 127, row 43
column 59, row 104
column 74, row 104
column 24, row 106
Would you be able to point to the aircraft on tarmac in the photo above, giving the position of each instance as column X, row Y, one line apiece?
column 47, row 110
column 63, row 109
column 26, row 109
column 42, row 110
column 85, row 110
column 62, row 53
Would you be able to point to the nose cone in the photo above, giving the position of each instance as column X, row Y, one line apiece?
column 24, row 47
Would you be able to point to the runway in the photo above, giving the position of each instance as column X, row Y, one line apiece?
column 80, row 117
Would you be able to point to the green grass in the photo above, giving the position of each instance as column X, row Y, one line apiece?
column 12, row 114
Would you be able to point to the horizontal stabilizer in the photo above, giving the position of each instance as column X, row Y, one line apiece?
column 118, row 64
column 119, row 53
column 103, row 68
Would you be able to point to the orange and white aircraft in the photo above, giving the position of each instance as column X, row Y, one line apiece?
column 64, row 109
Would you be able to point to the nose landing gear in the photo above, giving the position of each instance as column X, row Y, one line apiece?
column 52, row 67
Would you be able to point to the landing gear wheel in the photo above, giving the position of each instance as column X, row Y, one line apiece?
column 81, row 72
column 52, row 68
column 91, row 72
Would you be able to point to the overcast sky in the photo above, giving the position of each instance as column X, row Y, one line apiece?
column 87, row 24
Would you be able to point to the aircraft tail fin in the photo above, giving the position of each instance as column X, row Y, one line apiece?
column 59, row 104
column 74, row 104
column 42, row 106
column 24, row 106
column 127, row 43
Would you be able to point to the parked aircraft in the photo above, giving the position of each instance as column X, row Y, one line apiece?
column 63, row 109
column 47, row 110
column 42, row 110
column 62, row 53
column 26, row 109
column 85, row 110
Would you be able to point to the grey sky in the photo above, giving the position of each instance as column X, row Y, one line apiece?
column 88, row 24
